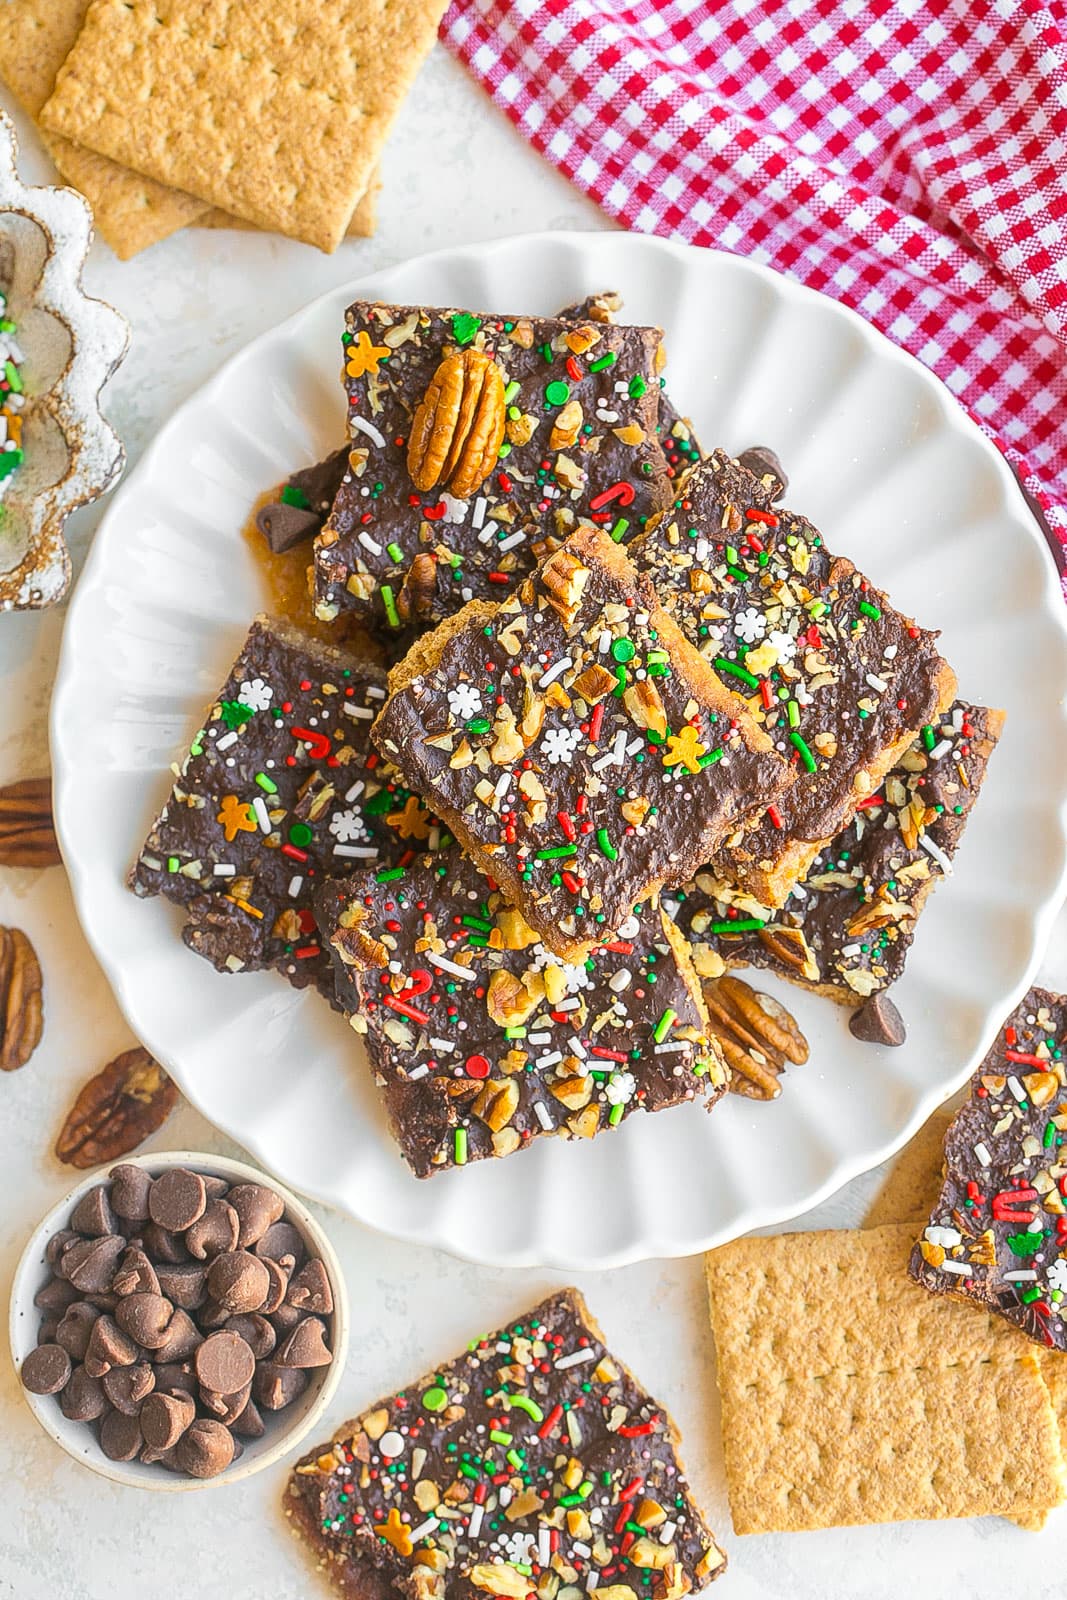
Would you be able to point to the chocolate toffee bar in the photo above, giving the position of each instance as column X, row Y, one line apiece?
column 481, row 1040
column 478, row 443
column 847, row 926
column 279, row 788
column 533, row 1467
column 840, row 680
column 576, row 745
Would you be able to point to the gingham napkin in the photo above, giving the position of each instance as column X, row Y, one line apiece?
column 908, row 159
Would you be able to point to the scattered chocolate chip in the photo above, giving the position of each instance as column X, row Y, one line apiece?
column 256, row 1332
column 284, row 527
column 205, row 1449
column 310, row 1289
column 215, row 1232
column 162, row 1246
column 877, row 1021
column 135, row 1275
column 250, row 1422
column 285, row 1319
column 212, row 1315
column 181, row 1339
column 129, row 1191
column 175, row 1375
column 57, row 1244
column 278, row 1284
column 76, row 1327
column 226, row 1407
column 224, row 1363
column 281, row 1240
column 46, row 1370
column 165, row 1417
column 305, row 1347
column 185, row 1284
column 176, row 1199
column 109, row 1347
column 126, row 1387
column 93, row 1214
column 257, row 1207
column 761, row 460
column 276, row 1387
column 56, row 1295
column 238, row 1281
column 320, row 482
column 120, row 1436
column 215, row 1188
column 89, row 1264
column 145, row 1317
column 83, row 1400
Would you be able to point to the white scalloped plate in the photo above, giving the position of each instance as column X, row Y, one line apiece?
column 881, row 458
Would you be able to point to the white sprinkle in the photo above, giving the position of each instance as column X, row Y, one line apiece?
column 878, row 684
column 418, row 1072
column 634, row 746
column 604, row 642
column 227, row 739
column 453, row 967
column 983, row 1155
column 575, row 1359
column 539, row 1038
column 554, row 671
column 478, row 515
column 259, row 806
column 935, row 850
column 581, row 1549
column 488, row 533
column 1016, row 1088
column 375, row 691
column 225, row 869
column 476, row 1521
column 511, row 541
column 394, row 966
column 959, row 1268
column 360, row 852
column 592, row 1578
column 368, row 543
column 363, row 713
column 568, row 1005
column 296, row 883
column 947, row 1238
column 890, row 652
column 701, row 551
column 503, row 784
column 1020, row 1277
column 957, row 720
column 940, row 749
column 541, row 1113
column 505, row 1497
column 619, row 981
column 851, row 950
column 355, row 791
column 550, row 1059
column 424, row 1528
column 544, row 1546
column 358, row 424
column 444, row 1047
column 671, row 1047
column 667, row 1532
column 577, row 1047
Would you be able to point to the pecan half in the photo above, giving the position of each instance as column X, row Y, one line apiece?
column 21, row 1012
column 27, row 836
column 458, row 425
column 757, row 1034
column 116, row 1110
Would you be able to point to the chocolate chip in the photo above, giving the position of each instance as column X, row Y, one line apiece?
column 310, row 1289
column 284, row 527
column 205, row 1449
column 238, row 1281
column 212, row 1315
column 226, row 1407
column 109, row 1347
column 256, row 1332
column 47, row 1330
column 126, row 1387
column 214, row 1232
column 320, row 482
column 224, row 1363
column 45, row 1370
column 135, row 1275
column 285, row 1319
column 256, row 1207
column 102, row 1302
column 83, row 1400
column 877, row 1021
column 176, row 1199
column 56, row 1295
column 165, row 1417
column 57, row 1244
column 162, row 1246
column 305, row 1347
column 120, row 1436
column 175, row 1375
column 215, row 1188
column 129, row 1191
column 76, row 1328
column 181, row 1339
column 185, row 1285
column 276, row 1387
column 278, row 1284
column 282, row 1240
column 90, row 1264
column 145, row 1317
column 93, row 1214
column 761, row 460
column 250, row 1422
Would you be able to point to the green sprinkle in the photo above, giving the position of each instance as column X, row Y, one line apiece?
column 464, row 1466
column 800, row 745
column 479, row 725
column 266, row 784
column 869, row 610
column 498, row 1437
column 464, row 327
column 615, row 1115
column 293, row 496
column 620, row 528
column 11, row 373
column 1049, row 1137
column 522, row 1402
column 389, row 875
column 557, row 393
column 558, row 852
column 636, row 387
column 664, row 1025
column 603, row 361
column 172, row 863
column 461, row 1161
column 435, row 1399
column 623, row 650
column 1030, row 1295
column 300, row 835
column 395, row 553
column 710, row 758
column 928, row 738
column 391, row 614
column 816, row 608
column 792, row 712
column 514, row 1459
column 734, row 671
column 513, row 1033
column 510, row 392
column 737, row 925
column 606, row 847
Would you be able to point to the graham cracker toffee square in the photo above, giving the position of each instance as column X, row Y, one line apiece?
column 840, row 680
column 849, row 1397
column 481, row 1040
column 847, row 926
column 997, row 1235
column 279, row 788
column 478, row 443
column 534, row 1466
column 575, row 744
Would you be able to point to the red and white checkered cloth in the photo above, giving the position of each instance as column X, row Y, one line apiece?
column 908, row 159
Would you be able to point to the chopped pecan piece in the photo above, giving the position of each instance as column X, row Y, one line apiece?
column 757, row 1034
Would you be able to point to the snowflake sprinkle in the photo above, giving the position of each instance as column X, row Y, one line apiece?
column 348, row 827
column 464, row 701
column 750, row 625
column 620, row 1088
column 257, row 694
column 784, row 644
column 559, row 745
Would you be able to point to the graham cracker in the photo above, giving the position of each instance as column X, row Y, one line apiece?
column 275, row 113
column 908, row 1195
column 362, row 225
column 850, row 1396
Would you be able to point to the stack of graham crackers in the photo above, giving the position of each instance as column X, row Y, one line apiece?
column 170, row 112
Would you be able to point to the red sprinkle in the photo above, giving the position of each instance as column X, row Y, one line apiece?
column 771, row 521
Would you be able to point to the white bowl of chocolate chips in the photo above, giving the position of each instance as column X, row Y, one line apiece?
column 179, row 1321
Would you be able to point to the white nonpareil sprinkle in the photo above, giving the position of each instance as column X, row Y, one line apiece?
column 358, row 424
column 360, row 852
column 959, row 1269
column 369, row 544
column 361, row 713
column 935, row 850
column 554, row 671
column 983, row 1155
column 295, row 886
column 225, row 742
column 575, row 1359
column 259, row 807
column 224, row 869
column 444, row 965
column 541, row 1113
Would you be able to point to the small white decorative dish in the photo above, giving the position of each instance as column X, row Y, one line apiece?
column 285, row 1429
column 68, row 346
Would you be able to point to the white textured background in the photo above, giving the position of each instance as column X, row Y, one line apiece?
column 454, row 171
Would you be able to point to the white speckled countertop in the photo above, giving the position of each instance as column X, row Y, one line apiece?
column 454, row 171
